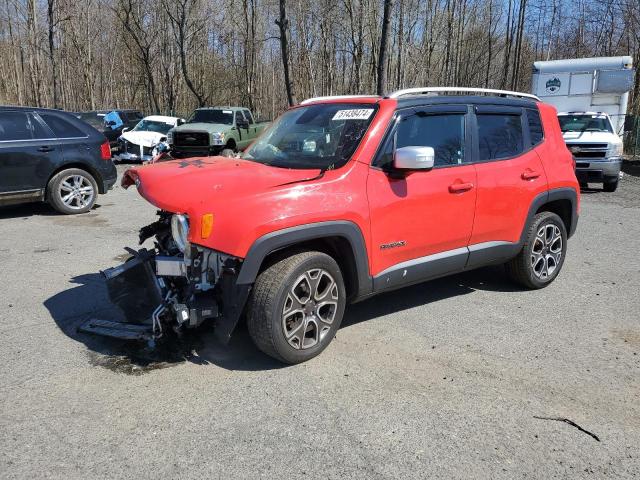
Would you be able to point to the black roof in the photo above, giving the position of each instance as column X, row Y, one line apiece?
column 419, row 100
column 31, row 109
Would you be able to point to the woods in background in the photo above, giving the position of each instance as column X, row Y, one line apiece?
column 169, row 56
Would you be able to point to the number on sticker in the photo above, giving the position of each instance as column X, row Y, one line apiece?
column 353, row 114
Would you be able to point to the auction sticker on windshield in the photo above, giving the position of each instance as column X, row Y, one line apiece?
column 353, row 114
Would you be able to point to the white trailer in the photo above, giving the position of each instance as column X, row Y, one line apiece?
column 591, row 96
column 600, row 84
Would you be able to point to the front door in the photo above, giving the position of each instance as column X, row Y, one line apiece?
column 421, row 222
column 27, row 148
column 244, row 134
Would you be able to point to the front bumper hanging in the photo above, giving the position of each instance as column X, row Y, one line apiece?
column 155, row 292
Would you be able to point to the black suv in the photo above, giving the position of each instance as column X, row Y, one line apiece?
column 95, row 118
column 52, row 155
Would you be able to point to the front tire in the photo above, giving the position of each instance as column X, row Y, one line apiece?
column 296, row 306
column 542, row 256
column 72, row 191
column 611, row 185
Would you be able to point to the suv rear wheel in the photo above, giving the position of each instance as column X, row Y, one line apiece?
column 296, row 306
column 542, row 256
column 72, row 191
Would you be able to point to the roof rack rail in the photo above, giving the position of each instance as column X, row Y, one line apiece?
column 439, row 90
column 335, row 97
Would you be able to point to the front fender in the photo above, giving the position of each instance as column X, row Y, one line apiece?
column 279, row 239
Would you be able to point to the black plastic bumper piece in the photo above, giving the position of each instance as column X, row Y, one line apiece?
column 123, row 331
column 133, row 287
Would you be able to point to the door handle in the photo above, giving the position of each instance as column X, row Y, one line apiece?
column 46, row 149
column 460, row 187
column 529, row 174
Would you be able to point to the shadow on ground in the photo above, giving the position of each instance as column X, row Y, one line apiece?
column 32, row 209
column 631, row 167
column 88, row 299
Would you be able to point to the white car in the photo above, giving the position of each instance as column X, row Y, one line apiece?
column 141, row 143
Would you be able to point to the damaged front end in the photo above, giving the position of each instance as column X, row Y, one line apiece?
column 177, row 285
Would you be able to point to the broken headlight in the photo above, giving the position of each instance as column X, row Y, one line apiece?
column 180, row 231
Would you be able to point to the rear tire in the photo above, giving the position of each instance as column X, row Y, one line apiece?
column 72, row 191
column 542, row 255
column 296, row 306
column 610, row 185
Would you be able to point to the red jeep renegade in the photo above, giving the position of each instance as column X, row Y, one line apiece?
column 343, row 198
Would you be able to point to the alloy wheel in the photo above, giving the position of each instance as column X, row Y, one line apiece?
column 546, row 251
column 310, row 308
column 76, row 192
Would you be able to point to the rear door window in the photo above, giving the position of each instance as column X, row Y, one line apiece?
column 499, row 136
column 62, row 128
column 20, row 126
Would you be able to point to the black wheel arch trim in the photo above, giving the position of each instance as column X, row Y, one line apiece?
column 287, row 237
column 564, row 193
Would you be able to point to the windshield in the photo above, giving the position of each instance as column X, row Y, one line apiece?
column 152, row 126
column 318, row 136
column 209, row 115
column 585, row 123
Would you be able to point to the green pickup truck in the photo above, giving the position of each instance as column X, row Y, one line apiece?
column 212, row 130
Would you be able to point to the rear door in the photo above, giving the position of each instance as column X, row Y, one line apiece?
column 421, row 222
column 510, row 175
column 75, row 144
column 27, row 151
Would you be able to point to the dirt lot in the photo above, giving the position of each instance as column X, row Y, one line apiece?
column 445, row 379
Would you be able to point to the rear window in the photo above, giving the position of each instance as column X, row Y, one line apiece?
column 536, row 132
column 499, row 136
column 62, row 128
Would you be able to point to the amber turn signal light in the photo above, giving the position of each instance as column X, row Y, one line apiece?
column 207, row 225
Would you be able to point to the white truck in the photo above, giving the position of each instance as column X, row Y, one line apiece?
column 591, row 96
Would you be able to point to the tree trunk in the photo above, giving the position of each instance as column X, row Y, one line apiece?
column 283, row 25
column 382, row 54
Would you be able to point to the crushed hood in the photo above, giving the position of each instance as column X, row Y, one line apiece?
column 146, row 139
column 183, row 186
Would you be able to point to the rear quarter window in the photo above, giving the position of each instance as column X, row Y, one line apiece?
column 536, row 132
column 62, row 128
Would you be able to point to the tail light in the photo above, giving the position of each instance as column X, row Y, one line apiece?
column 105, row 151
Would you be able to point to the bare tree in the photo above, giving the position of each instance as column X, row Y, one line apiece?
column 283, row 26
column 382, row 53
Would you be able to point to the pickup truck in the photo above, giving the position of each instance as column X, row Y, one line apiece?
column 212, row 130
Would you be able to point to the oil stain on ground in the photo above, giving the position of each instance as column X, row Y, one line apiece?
column 138, row 359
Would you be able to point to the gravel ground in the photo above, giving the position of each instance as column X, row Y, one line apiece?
column 446, row 379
